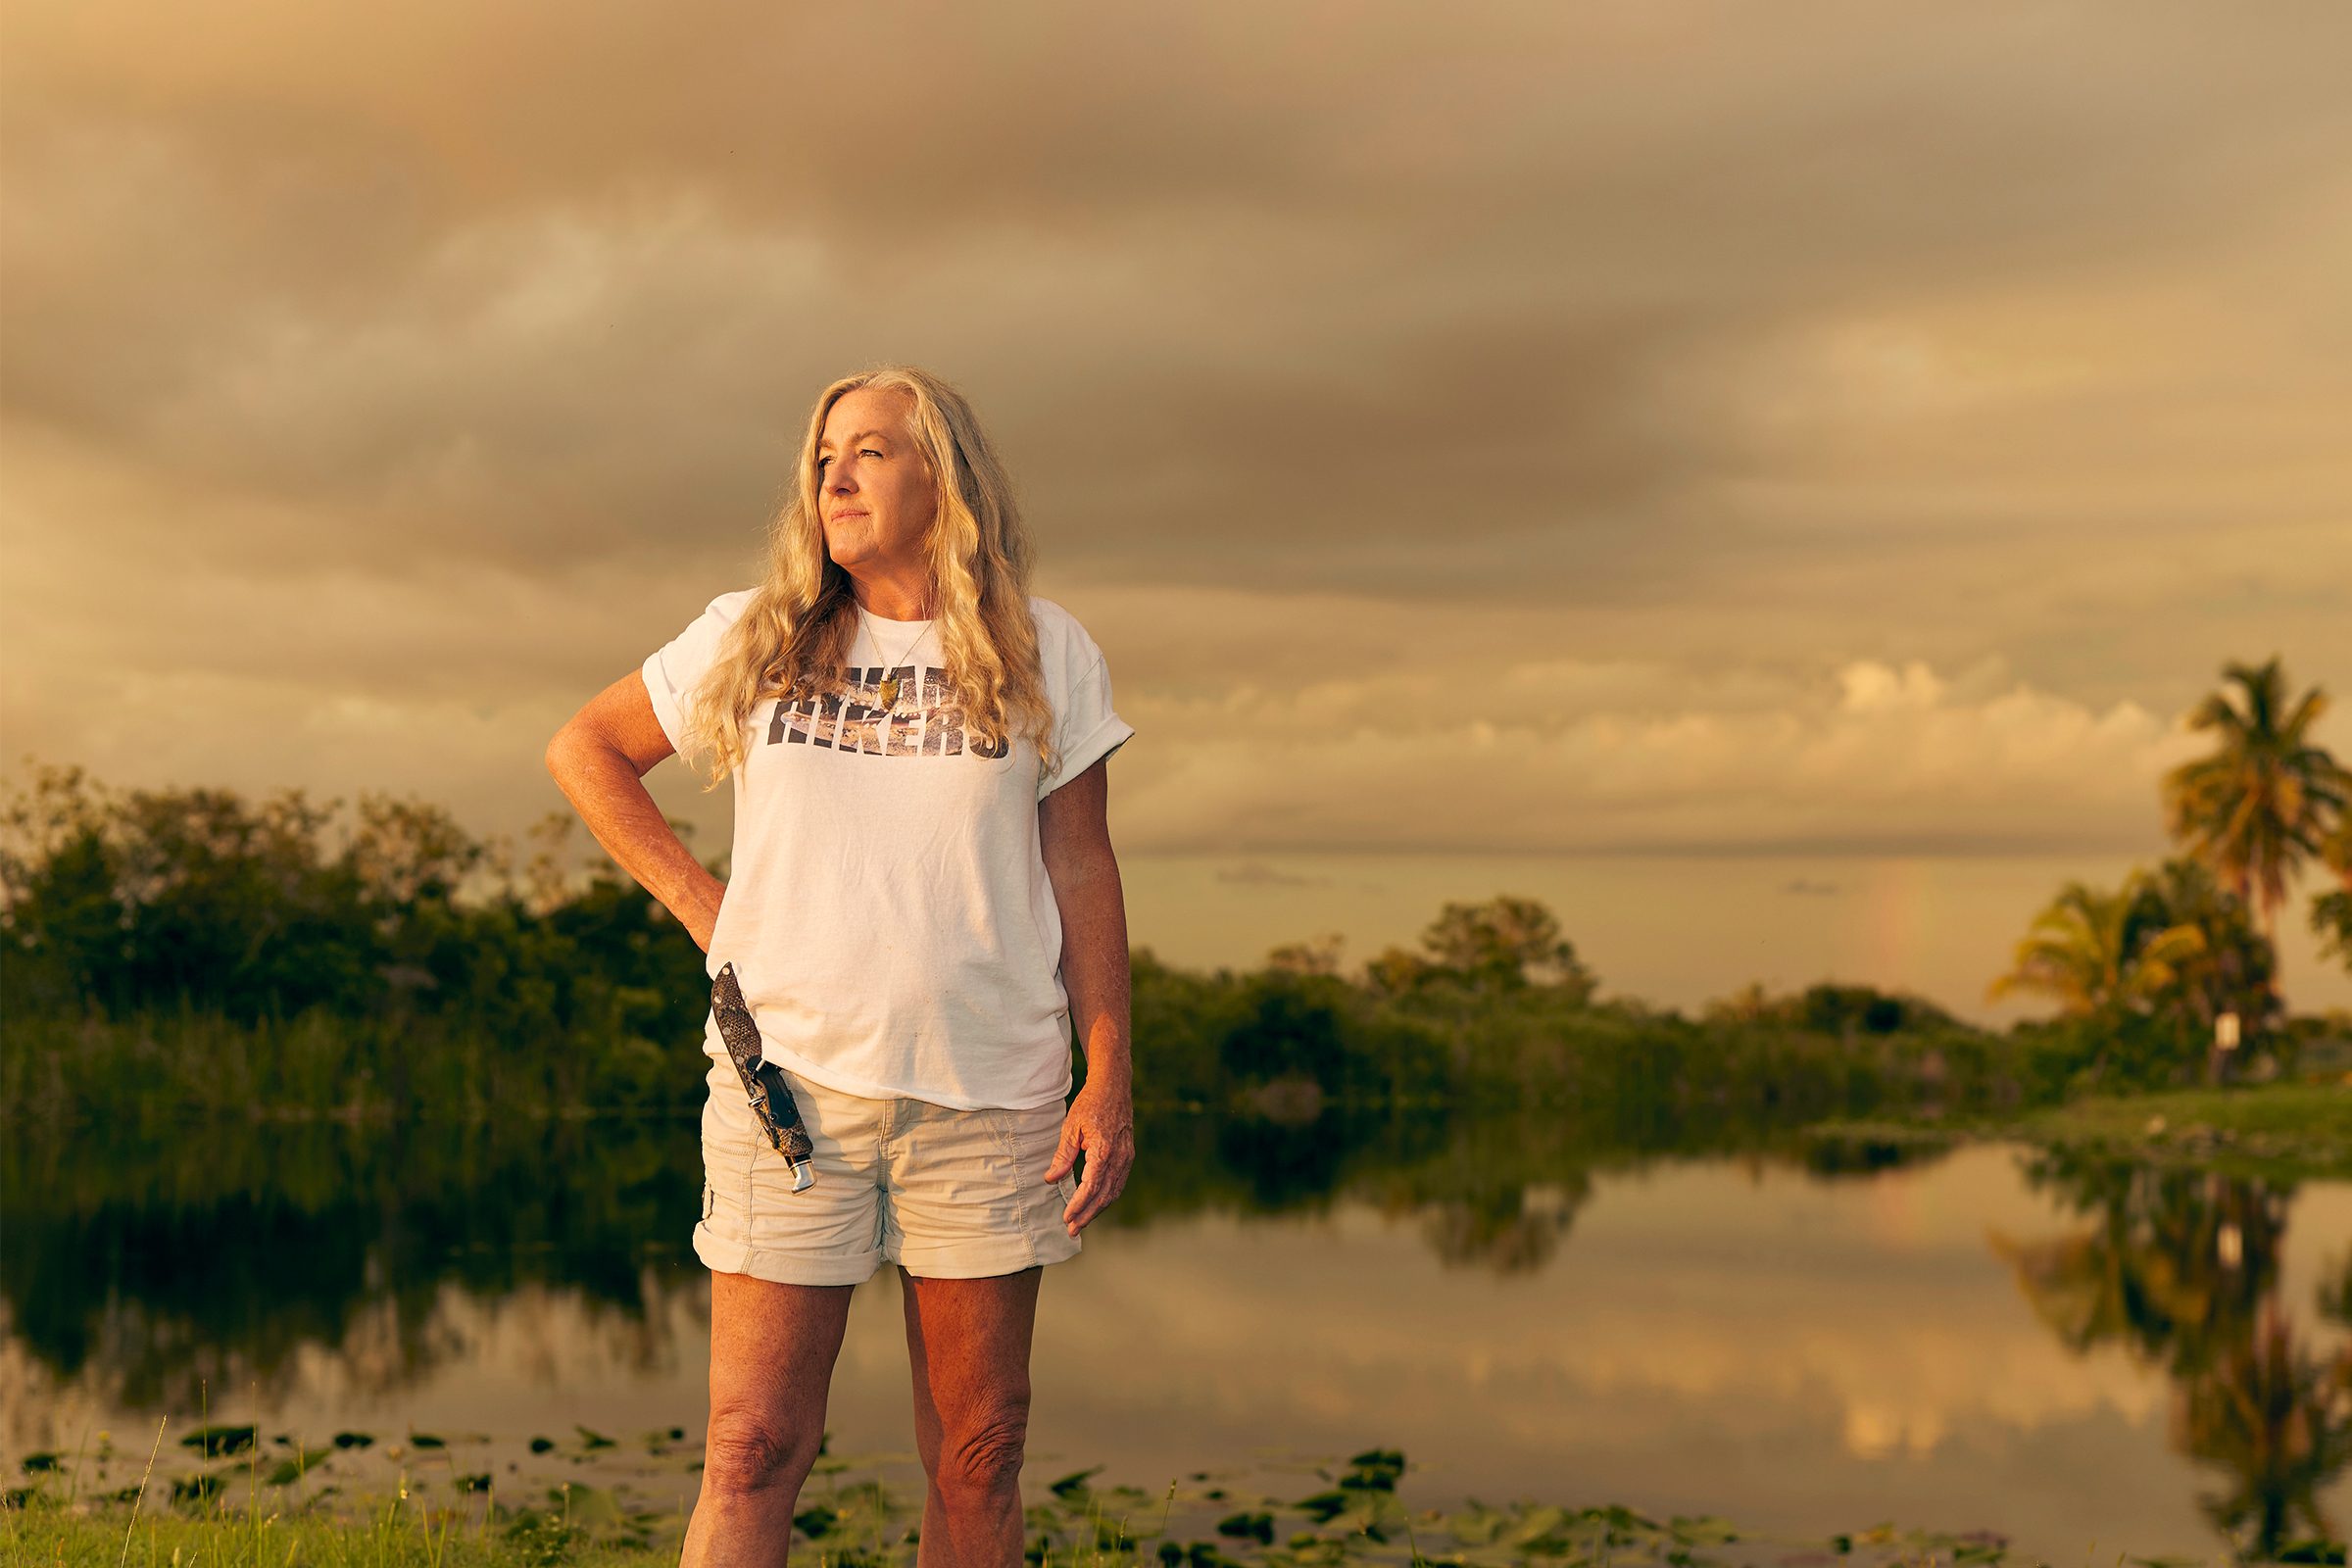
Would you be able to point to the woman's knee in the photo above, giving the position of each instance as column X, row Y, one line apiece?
column 750, row 1449
column 981, row 1454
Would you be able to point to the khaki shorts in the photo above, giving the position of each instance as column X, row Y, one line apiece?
column 948, row 1194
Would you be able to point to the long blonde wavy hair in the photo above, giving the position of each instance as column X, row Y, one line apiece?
column 793, row 636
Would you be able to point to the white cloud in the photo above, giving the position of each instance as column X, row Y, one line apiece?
column 1550, row 756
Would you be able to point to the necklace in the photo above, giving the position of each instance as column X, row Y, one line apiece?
column 890, row 685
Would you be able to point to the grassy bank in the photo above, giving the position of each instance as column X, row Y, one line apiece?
column 2290, row 1131
column 2251, row 1131
column 1358, row 1517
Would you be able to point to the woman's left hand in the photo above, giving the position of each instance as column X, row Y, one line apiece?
column 1101, row 1121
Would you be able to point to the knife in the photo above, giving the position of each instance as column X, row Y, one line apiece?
column 771, row 1097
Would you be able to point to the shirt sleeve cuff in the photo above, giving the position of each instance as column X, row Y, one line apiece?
column 666, row 702
column 1105, row 738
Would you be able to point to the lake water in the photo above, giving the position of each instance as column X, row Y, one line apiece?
column 1802, row 1340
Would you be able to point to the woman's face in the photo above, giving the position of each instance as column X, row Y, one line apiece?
column 874, row 491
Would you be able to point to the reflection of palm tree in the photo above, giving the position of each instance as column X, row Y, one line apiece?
column 2336, row 1296
column 2128, row 1280
column 2077, row 1287
column 2181, row 1268
column 2263, row 800
column 2091, row 949
column 2278, row 1422
column 2175, row 1265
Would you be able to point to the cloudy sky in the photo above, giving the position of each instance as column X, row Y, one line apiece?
column 1732, row 472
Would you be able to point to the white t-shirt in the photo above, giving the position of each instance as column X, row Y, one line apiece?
column 887, row 909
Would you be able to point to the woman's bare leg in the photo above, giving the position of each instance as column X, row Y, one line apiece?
column 967, row 1342
column 773, row 1349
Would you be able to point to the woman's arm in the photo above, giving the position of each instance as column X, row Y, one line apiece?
column 1074, row 834
column 598, row 761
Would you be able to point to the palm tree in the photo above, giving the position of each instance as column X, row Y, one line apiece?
column 2267, row 796
column 2235, row 969
column 2331, row 911
column 2093, row 951
column 2233, row 973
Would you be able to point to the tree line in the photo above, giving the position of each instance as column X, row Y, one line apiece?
column 186, row 951
column 194, row 950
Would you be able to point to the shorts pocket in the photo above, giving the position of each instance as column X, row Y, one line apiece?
column 1001, row 1131
column 1029, row 1139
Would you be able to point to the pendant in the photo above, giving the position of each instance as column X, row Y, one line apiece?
column 890, row 692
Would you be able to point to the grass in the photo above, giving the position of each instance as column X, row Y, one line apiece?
column 1356, row 1518
column 2292, row 1131
column 2302, row 1128
column 153, row 1543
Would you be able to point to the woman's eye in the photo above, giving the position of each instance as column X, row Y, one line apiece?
column 868, row 452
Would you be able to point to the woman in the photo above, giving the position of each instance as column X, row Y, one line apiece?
column 923, row 899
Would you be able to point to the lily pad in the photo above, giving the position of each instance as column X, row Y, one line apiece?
column 1245, row 1524
column 1705, row 1530
column 1074, row 1484
column 217, row 1441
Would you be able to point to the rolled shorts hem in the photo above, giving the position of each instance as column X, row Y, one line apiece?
column 981, row 1263
column 723, row 1256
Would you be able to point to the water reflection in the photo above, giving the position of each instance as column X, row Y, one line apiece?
column 165, row 1265
column 219, row 1259
column 140, row 1273
column 2181, row 1268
